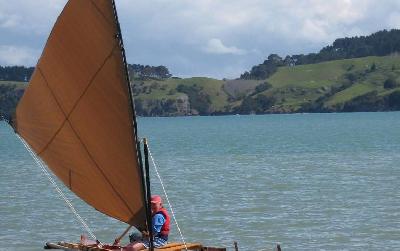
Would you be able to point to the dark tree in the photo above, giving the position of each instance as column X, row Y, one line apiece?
column 258, row 104
column 262, row 87
column 198, row 99
column 394, row 100
column 368, row 102
column 390, row 83
column 381, row 43
column 16, row 73
column 373, row 67
column 144, row 72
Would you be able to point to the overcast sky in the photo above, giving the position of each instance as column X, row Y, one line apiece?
column 214, row 38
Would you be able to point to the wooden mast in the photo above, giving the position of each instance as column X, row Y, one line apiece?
column 148, row 193
column 145, row 179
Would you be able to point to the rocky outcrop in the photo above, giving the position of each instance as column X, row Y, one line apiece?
column 178, row 106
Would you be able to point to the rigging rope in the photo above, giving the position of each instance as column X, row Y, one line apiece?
column 60, row 192
column 166, row 197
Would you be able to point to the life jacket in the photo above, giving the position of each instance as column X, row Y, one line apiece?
column 165, row 228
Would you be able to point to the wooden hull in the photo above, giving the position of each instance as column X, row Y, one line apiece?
column 174, row 246
column 77, row 246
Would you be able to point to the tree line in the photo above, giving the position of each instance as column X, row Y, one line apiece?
column 380, row 43
column 136, row 71
column 16, row 73
column 145, row 72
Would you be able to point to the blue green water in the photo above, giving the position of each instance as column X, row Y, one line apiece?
column 306, row 181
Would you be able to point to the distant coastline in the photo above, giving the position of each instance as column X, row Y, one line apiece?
column 359, row 74
column 352, row 85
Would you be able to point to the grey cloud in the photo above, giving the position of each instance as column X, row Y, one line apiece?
column 215, row 46
column 11, row 55
column 209, row 38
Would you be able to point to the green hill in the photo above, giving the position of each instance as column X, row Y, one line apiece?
column 360, row 73
column 174, row 96
column 328, row 86
column 331, row 86
column 359, row 84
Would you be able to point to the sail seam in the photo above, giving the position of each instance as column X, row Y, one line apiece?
column 76, row 102
column 76, row 134
column 100, row 170
column 52, row 30
column 59, row 106
column 101, row 13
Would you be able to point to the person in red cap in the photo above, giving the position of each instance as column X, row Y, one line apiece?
column 160, row 224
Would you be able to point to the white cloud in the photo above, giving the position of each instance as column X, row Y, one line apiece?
column 9, row 21
column 215, row 46
column 394, row 20
column 314, row 30
column 12, row 55
column 159, row 31
column 33, row 16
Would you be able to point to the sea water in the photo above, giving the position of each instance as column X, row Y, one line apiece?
column 305, row 181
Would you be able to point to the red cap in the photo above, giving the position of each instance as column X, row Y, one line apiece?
column 156, row 199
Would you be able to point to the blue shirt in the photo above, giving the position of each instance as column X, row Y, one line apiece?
column 158, row 222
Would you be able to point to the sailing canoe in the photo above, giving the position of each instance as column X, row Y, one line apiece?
column 77, row 115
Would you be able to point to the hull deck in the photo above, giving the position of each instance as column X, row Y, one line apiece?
column 173, row 246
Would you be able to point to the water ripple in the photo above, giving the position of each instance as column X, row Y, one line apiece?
column 309, row 182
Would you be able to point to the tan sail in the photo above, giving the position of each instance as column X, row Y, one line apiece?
column 76, row 112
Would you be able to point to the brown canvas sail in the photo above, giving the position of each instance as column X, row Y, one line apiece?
column 76, row 112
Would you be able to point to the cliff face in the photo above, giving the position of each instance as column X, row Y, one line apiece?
column 182, row 105
column 175, row 106
column 359, row 84
column 179, row 97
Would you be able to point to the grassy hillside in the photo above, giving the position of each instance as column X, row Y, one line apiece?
column 359, row 84
column 332, row 84
column 326, row 86
column 18, row 85
column 166, row 92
